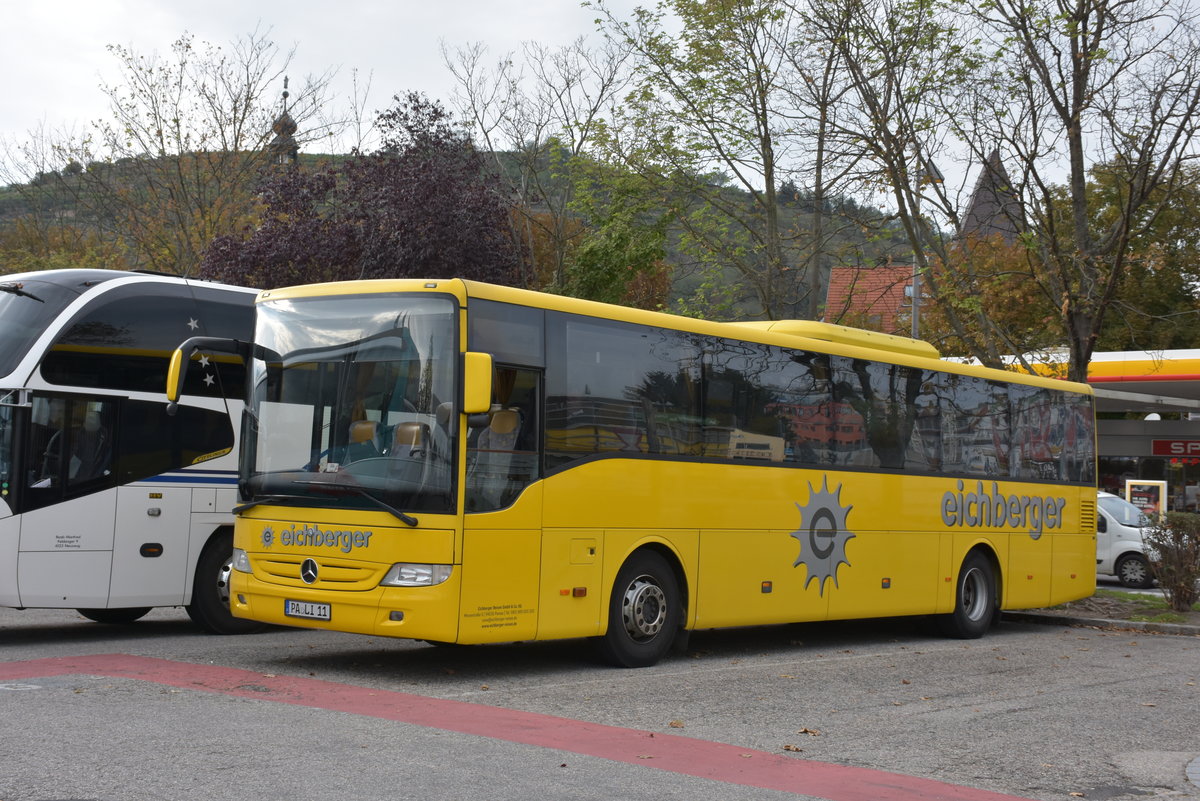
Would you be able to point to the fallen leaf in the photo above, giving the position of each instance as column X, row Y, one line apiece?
column 645, row 756
column 809, row 732
column 790, row 747
column 676, row 724
column 905, row 681
column 786, row 676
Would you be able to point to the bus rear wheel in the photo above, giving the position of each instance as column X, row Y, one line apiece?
column 974, row 600
column 115, row 617
column 644, row 613
column 209, row 608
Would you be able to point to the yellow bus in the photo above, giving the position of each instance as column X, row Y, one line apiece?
column 456, row 462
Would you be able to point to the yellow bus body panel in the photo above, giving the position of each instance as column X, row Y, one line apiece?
column 350, row 571
column 753, row 545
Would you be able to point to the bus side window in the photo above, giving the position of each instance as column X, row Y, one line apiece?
column 70, row 447
column 47, row 441
column 91, row 449
column 503, row 456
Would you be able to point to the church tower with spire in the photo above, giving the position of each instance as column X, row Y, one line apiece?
column 283, row 147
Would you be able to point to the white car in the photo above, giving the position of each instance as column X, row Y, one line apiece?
column 1120, row 550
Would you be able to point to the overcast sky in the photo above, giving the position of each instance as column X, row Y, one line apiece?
column 53, row 56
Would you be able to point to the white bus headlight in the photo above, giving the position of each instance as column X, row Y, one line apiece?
column 241, row 562
column 409, row 575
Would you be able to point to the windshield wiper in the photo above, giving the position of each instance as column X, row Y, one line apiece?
column 13, row 288
column 402, row 516
column 268, row 499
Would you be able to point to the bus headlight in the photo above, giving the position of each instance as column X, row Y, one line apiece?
column 410, row 575
column 241, row 562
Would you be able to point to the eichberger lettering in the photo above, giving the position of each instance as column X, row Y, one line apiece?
column 981, row 509
column 312, row 537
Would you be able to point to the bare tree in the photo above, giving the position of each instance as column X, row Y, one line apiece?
column 175, row 163
column 901, row 59
column 1093, row 105
column 537, row 117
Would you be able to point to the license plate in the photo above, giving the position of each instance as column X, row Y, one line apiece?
column 306, row 609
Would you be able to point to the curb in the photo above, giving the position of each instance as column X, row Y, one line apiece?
column 1177, row 629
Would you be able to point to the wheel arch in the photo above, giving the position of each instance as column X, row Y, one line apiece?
column 214, row 533
column 673, row 560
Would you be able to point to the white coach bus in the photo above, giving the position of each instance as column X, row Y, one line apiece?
column 108, row 504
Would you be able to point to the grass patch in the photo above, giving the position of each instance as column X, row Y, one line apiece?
column 1146, row 608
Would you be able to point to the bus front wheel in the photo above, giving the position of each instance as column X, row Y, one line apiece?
column 209, row 608
column 974, row 600
column 644, row 613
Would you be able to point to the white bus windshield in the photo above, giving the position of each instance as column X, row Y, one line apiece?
column 27, row 308
column 352, row 399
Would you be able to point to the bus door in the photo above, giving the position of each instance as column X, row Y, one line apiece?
column 66, row 529
column 10, row 525
column 501, row 556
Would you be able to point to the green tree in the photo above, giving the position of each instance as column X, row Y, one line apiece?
column 621, row 255
column 707, row 122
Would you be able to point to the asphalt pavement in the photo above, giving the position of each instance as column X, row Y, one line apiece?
column 843, row 711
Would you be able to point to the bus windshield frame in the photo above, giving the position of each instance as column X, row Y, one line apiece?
column 358, row 409
column 8, row 450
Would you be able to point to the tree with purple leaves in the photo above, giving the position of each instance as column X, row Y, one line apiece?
column 422, row 206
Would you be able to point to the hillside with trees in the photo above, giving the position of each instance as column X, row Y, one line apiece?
column 713, row 159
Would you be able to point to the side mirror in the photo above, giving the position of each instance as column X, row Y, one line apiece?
column 177, row 370
column 477, row 383
column 1101, row 524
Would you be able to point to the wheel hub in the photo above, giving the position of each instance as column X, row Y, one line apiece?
column 974, row 594
column 644, row 608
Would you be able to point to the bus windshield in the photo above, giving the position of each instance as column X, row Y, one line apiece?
column 351, row 402
column 27, row 308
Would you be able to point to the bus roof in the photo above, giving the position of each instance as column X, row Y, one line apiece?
column 807, row 334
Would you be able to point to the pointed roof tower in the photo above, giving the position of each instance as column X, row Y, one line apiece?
column 283, row 147
column 994, row 207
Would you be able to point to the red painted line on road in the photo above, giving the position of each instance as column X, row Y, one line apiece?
column 669, row 752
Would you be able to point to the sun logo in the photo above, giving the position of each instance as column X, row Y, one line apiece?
column 822, row 535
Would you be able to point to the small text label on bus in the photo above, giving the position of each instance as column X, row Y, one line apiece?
column 982, row 509
column 311, row 536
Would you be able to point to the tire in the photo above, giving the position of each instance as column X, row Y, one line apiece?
column 644, row 613
column 974, row 600
column 209, row 608
column 1133, row 571
column 115, row 617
